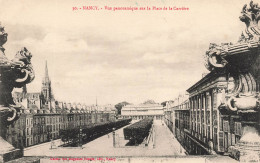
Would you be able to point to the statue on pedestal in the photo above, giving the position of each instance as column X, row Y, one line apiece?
column 240, row 61
column 13, row 74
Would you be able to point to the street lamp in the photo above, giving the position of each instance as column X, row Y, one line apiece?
column 80, row 137
column 114, row 138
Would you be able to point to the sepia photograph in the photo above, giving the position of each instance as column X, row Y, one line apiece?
column 129, row 81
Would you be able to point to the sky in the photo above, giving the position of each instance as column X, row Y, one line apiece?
column 118, row 55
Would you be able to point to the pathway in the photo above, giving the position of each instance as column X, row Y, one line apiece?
column 165, row 145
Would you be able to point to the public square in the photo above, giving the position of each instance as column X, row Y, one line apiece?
column 165, row 145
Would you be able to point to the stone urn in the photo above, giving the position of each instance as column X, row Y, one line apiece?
column 242, row 103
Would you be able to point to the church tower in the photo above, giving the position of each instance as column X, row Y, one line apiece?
column 46, row 87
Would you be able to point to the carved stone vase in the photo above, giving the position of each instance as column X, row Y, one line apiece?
column 13, row 74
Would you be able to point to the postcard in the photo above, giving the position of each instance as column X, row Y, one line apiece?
column 129, row 81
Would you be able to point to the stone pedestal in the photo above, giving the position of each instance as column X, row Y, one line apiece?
column 248, row 147
column 7, row 151
column 5, row 146
column 14, row 73
column 11, row 155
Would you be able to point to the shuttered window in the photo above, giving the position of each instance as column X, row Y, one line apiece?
column 238, row 128
column 221, row 141
column 226, row 126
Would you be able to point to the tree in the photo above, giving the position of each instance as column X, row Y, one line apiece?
column 164, row 103
column 149, row 102
column 120, row 105
column 56, row 102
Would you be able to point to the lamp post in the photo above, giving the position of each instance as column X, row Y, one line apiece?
column 80, row 137
column 52, row 143
column 114, row 138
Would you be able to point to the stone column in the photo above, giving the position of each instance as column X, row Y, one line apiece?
column 205, row 114
column 191, row 114
column 209, row 110
column 196, row 115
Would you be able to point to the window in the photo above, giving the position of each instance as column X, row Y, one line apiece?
column 238, row 128
column 27, row 142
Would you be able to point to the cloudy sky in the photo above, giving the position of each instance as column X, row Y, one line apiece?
column 118, row 55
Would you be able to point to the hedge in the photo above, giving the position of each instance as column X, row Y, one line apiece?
column 138, row 131
column 91, row 131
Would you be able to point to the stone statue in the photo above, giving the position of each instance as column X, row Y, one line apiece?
column 240, row 62
column 13, row 73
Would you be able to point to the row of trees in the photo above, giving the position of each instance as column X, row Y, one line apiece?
column 83, row 134
column 138, row 131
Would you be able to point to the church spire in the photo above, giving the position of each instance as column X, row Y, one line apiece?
column 46, row 70
column 46, row 87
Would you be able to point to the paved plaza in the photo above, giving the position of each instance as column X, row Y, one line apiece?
column 165, row 145
column 166, row 149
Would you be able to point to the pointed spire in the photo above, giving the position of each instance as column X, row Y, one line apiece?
column 46, row 70
column 96, row 100
column 46, row 86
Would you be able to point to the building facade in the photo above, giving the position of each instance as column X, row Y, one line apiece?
column 221, row 114
column 137, row 112
column 42, row 117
